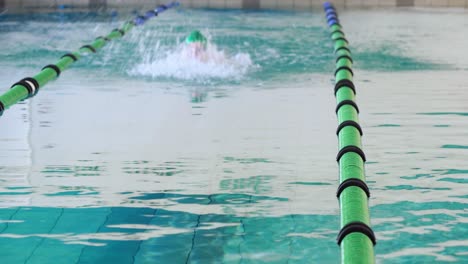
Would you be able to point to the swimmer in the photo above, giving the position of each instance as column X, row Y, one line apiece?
column 197, row 45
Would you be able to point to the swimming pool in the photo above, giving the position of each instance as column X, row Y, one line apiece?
column 134, row 155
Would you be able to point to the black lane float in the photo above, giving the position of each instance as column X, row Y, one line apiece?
column 30, row 86
column 356, row 238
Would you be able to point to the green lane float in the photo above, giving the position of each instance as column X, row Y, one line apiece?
column 30, row 86
column 356, row 238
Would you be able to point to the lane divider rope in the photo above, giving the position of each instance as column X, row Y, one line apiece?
column 346, row 102
column 30, row 86
column 356, row 238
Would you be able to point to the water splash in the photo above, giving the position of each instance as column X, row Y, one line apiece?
column 180, row 63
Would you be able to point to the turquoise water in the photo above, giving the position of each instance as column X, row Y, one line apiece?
column 137, row 156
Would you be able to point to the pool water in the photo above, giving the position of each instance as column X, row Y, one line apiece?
column 137, row 155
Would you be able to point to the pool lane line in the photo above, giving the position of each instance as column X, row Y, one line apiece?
column 356, row 238
column 30, row 86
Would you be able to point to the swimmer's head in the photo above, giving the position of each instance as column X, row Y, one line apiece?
column 196, row 37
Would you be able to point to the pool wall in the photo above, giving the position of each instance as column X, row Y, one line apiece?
column 227, row 4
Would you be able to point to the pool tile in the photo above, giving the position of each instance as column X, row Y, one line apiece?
column 285, row 4
column 199, row 3
column 251, row 4
column 268, row 4
column 422, row 2
column 405, row 3
column 302, row 5
column 336, row 3
column 353, row 3
column 49, row 249
column 387, row 3
column 440, row 3
column 97, row 4
column 457, row 3
column 65, row 3
column 79, row 3
column 216, row 4
column 12, row 3
column 233, row 4
column 36, row 3
column 370, row 3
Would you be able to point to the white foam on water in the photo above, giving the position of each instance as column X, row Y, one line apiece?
column 179, row 63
